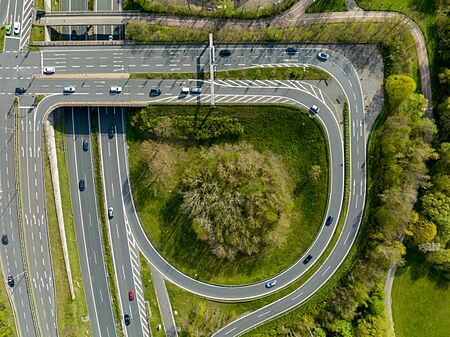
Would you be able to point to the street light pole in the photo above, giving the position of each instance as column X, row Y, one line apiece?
column 211, row 66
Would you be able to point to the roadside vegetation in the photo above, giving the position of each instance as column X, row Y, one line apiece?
column 104, row 229
column 154, row 316
column 279, row 73
column 2, row 38
column 157, row 167
column 8, row 328
column 72, row 316
column 38, row 99
column 39, row 4
column 37, row 33
column 321, row 6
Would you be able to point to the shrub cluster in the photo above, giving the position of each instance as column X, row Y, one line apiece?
column 199, row 128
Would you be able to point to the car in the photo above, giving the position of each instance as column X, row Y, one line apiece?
column 85, row 145
column 271, row 284
column 69, row 90
column 131, row 295
column 329, row 221
column 115, row 90
column 155, row 92
column 81, row 185
column 110, row 213
column 322, row 56
column 11, row 281
column 307, row 259
column 73, row 35
column 110, row 38
column 40, row 13
column 20, row 91
column 5, row 239
column 291, row 50
column 48, row 70
column 17, row 28
column 127, row 319
column 314, row 109
column 185, row 90
column 225, row 53
column 8, row 30
column 196, row 90
column 111, row 131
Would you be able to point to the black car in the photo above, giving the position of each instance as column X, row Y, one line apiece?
column 308, row 258
column 329, row 221
column 225, row 53
column 291, row 50
column 85, row 145
column 11, row 281
column 81, row 185
column 5, row 239
column 73, row 36
column 155, row 92
column 127, row 319
column 111, row 131
column 20, row 91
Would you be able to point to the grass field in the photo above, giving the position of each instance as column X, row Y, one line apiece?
column 71, row 315
column 420, row 301
column 321, row 6
column 284, row 131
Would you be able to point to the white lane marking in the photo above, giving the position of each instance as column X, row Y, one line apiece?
column 297, row 296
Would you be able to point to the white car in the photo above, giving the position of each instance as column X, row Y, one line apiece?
column 196, row 90
column 314, row 109
column 115, row 90
column 17, row 28
column 69, row 90
column 49, row 70
column 185, row 90
column 110, row 213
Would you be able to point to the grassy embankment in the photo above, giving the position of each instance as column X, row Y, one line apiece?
column 101, row 213
column 7, row 325
column 420, row 300
column 154, row 317
column 322, row 6
column 276, row 129
column 72, row 316
column 281, row 73
column 2, row 38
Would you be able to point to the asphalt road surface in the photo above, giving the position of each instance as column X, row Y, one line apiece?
column 87, row 224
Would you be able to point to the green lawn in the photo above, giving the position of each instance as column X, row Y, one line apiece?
column 71, row 315
column 420, row 301
column 320, row 6
column 37, row 33
column 285, row 131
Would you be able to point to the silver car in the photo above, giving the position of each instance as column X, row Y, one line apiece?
column 69, row 90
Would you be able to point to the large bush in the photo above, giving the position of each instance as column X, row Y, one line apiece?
column 236, row 198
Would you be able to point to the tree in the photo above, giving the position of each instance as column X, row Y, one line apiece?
column 236, row 198
column 444, row 118
column 371, row 326
column 436, row 206
column 422, row 230
column 398, row 87
column 443, row 163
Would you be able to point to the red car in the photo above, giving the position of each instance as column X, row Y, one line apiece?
column 131, row 295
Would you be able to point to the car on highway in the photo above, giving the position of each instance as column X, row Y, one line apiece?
column 314, row 109
column 68, row 90
column 111, row 131
column 110, row 38
column 271, row 284
column 8, row 30
column 73, row 35
column 85, row 145
column 131, row 295
column 127, row 319
column 155, row 92
column 196, row 90
column 81, row 185
column 225, row 53
column 20, row 91
column 110, row 213
column 11, row 281
column 291, row 50
column 5, row 239
column 322, row 56
column 307, row 259
column 329, row 221
column 17, row 28
column 49, row 70
column 115, row 90
column 185, row 90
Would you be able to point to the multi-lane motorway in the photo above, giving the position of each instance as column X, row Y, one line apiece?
column 110, row 65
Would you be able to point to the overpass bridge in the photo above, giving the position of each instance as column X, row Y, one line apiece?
column 89, row 18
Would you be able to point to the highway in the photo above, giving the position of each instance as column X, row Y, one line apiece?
column 192, row 58
column 126, row 261
column 17, row 11
column 87, row 224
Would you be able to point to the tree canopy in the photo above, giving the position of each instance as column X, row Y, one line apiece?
column 235, row 197
column 398, row 87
